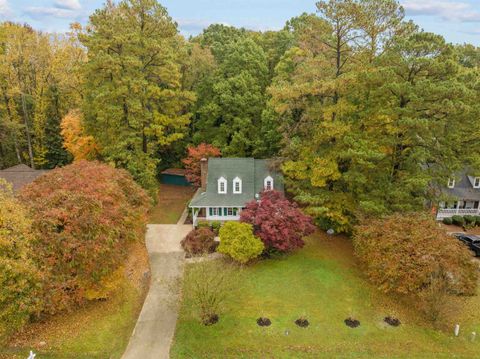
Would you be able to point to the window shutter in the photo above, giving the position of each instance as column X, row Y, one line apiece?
column 210, row 211
column 224, row 211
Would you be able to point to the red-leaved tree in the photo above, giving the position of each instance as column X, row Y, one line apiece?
column 277, row 221
column 192, row 161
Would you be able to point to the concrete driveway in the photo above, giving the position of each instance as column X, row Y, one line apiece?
column 155, row 327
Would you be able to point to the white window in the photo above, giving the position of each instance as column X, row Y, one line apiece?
column 237, row 185
column 214, row 211
column 222, row 185
column 268, row 183
column 451, row 182
column 476, row 182
column 230, row 212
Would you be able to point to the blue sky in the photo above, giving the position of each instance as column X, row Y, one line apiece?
column 457, row 20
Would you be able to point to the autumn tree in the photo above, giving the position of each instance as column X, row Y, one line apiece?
column 279, row 223
column 367, row 112
column 20, row 284
column 192, row 161
column 75, row 140
column 134, row 104
column 84, row 216
column 409, row 255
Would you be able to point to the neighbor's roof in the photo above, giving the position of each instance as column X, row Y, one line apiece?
column 463, row 188
column 174, row 172
column 20, row 175
column 251, row 171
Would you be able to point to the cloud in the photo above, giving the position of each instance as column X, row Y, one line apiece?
column 68, row 4
column 5, row 9
column 447, row 10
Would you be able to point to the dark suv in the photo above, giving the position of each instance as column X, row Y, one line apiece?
column 471, row 240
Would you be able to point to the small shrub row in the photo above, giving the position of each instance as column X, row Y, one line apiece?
column 469, row 221
column 214, row 226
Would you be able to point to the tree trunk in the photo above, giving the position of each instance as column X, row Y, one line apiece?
column 27, row 130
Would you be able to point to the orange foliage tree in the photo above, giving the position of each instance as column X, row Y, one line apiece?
column 80, row 145
column 192, row 161
column 408, row 254
column 83, row 215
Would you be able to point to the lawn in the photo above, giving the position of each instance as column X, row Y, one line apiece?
column 171, row 203
column 321, row 282
column 97, row 330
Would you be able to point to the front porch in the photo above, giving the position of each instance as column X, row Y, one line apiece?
column 220, row 214
column 458, row 208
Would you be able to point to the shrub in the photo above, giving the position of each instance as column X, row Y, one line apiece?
column 84, row 215
column 458, row 220
column 278, row 222
column 206, row 286
column 477, row 220
column 20, row 295
column 408, row 254
column 447, row 220
column 203, row 224
column 192, row 161
column 469, row 220
column 199, row 241
column 216, row 226
column 238, row 242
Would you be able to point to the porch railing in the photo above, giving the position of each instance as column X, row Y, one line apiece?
column 449, row 212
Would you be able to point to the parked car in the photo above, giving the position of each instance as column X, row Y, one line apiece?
column 471, row 240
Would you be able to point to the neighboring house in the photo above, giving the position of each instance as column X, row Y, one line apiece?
column 228, row 184
column 463, row 193
column 20, row 175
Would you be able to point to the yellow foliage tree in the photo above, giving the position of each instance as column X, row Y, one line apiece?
column 80, row 145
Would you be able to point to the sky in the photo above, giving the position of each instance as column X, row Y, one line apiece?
column 457, row 20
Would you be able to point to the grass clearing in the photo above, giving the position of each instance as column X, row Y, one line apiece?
column 171, row 203
column 97, row 330
column 321, row 282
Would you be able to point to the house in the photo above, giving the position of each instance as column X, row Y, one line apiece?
column 20, row 175
column 463, row 197
column 228, row 184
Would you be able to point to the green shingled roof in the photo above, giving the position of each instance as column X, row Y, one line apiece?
column 252, row 172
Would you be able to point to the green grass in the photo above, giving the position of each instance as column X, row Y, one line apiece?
column 171, row 203
column 321, row 282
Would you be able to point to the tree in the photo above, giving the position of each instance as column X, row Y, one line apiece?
column 279, row 223
column 206, row 286
column 238, row 242
column 84, row 216
column 408, row 254
column 20, row 289
column 192, row 161
column 134, row 104
column 367, row 115
column 80, row 145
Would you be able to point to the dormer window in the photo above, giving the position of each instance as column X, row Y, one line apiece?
column 268, row 183
column 237, row 185
column 222, row 185
column 451, row 183
column 476, row 182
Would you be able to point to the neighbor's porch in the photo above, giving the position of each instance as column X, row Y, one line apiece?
column 461, row 208
column 221, row 214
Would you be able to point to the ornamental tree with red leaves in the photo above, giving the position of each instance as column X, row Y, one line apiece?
column 278, row 222
column 192, row 161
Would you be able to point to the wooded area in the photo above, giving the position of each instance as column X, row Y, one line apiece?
column 365, row 109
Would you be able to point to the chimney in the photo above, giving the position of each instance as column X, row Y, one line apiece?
column 203, row 173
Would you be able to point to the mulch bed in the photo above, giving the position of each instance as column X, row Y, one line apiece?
column 302, row 323
column 264, row 322
column 212, row 319
column 394, row 322
column 352, row 323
